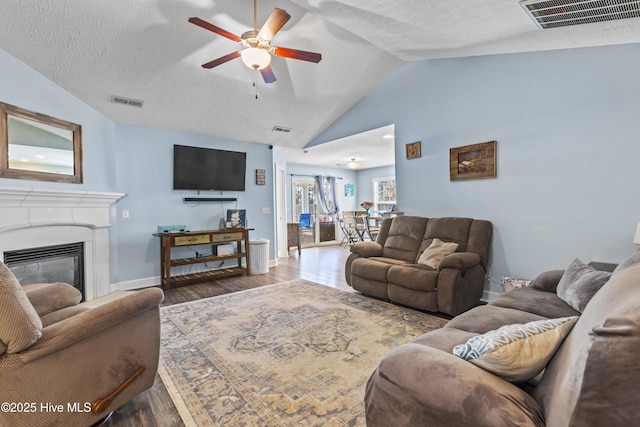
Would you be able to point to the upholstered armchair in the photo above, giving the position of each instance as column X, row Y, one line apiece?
column 67, row 364
column 433, row 264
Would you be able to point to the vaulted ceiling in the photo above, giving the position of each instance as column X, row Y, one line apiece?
column 147, row 50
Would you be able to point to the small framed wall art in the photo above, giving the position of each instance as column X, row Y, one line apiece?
column 473, row 161
column 261, row 177
column 349, row 190
column 413, row 150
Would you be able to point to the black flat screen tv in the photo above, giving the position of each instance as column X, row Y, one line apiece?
column 196, row 168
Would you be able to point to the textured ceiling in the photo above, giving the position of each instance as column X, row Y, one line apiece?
column 146, row 50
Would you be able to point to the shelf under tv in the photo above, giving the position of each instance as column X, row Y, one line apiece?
column 210, row 199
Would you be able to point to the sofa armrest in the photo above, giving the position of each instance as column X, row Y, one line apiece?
column 419, row 385
column 92, row 322
column 460, row 261
column 367, row 249
column 49, row 297
column 547, row 281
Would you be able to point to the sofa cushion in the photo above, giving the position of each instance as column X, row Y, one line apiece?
column 20, row 325
column 403, row 237
column 532, row 300
column 375, row 268
column 448, row 228
column 435, row 252
column 444, row 339
column 486, row 318
column 413, row 276
column 579, row 283
column 517, row 352
column 592, row 379
column 49, row 297
column 63, row 313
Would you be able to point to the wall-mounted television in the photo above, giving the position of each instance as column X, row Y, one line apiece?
column 196, row 168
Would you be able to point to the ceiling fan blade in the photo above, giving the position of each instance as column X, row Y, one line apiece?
column 297, row 54
column 267, row 74
column 275, row 21
column 221, row 60
column 209, row 26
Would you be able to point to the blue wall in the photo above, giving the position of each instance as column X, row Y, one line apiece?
column 145, row 174
column 26, row 88
column 364, row 187
column 136, row 161
column 566, row 123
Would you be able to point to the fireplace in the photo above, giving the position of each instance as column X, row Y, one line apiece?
column 32, row 218
column 49, row 264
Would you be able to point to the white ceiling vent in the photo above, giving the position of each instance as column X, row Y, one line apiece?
column 281, row 129
column 126, row 101
column 562, row 13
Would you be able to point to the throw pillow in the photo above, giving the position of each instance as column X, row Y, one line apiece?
column 20, row 325
column 579, row 283
column 435, row 252
column 517, row 352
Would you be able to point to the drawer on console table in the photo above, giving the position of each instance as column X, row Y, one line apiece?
column 226, row 237
column 192, row 240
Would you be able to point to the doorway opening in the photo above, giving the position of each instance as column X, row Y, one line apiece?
column 316, row 227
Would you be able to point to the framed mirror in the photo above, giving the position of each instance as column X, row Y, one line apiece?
column 39, row 147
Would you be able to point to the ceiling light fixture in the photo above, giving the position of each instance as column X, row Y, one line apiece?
column 388, row 136
column 256, row 58
column 353, row 164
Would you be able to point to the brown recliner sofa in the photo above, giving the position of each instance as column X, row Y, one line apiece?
column 68, row 364
column 388, row 268
column 591, row 380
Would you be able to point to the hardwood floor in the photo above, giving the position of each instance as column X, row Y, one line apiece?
column 324, row 265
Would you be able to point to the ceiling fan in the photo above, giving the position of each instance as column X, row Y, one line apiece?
column 256, row 45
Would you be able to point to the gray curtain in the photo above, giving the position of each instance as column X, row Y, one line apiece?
column 327, row 193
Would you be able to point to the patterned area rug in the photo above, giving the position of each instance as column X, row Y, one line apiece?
column 292, row 354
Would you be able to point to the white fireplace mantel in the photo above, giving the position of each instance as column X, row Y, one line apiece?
column 33, row 217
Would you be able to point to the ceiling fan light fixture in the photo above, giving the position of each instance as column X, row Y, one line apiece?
column 353, row 164
column 256, row 58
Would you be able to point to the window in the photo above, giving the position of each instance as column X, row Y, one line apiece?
column 384, row 193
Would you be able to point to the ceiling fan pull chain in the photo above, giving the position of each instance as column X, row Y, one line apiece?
column 255, row 82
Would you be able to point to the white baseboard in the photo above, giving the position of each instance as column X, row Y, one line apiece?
column 131, row 285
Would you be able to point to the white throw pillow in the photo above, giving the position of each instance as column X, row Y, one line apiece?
column 435, row 252
column 517, row 352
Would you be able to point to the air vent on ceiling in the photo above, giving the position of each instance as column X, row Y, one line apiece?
column 281, row 129
column 562, row 13
column 126, row 101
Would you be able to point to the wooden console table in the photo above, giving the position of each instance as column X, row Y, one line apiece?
column 206, row 237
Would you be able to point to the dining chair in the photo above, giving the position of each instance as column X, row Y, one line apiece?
column 371, row 232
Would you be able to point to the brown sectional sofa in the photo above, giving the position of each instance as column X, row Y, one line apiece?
column 388, row 268
column 591, row 380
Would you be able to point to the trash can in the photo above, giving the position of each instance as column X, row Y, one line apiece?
column 259, row 256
